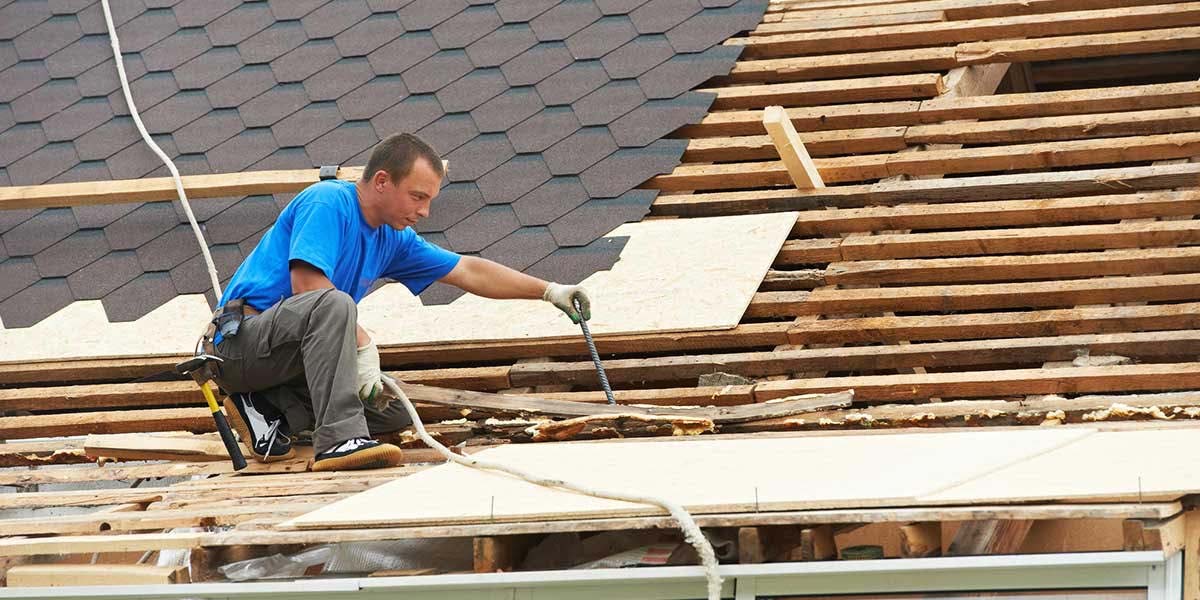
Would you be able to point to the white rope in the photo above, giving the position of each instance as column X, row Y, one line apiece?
column 133, row 112
column 691, row 531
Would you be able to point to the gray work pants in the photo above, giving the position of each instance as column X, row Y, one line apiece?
column 301, row 355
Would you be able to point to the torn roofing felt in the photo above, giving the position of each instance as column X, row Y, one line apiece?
column 550, row 113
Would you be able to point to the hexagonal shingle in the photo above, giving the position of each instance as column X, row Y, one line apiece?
column 572, row 83
column 537, row 63
column 305, row 60
column 338, row 79
column 657, row 118
column 369, row 34
column 402, row 53
column 550, row 201
column 147, row 28
column 20, row 78
column 619, row 7
column 19, row 141
column 242, row 150
column 686, row 71
column 85, row 53
column 579, row 151
column 714, row 26
column 564, row 19
column 96, row 216
column 208, row 131
column 48, row 37
column 16, row 274
column 513, row 179
column 522, row 248
column 240, row 86
column 271, row 43
column 410, row 114
column 448, row 132
column 507, row 109
column 136, row 160
column 514, row 11
column 471, row 90
column 77, row 119
column 43, row 164
column 104, row 275
column 95, row 170
column 601, row 37
column 241, row 220
column 141, row 295
column 176, row 111
column 454, row 203
column 145, row 223
column 198, row 13
column 22, row 15
column 437, row 71
column 168, row 250
column 482, row 229
column 149, row 90
column 466, row 27
column 200, row 72
column 105, row 140
column 658, row 16
column 45, row 101
column 629, row 167
column 638, row 56
column 334, row 17
column 478, row 156
column 272, row 105
column 425, row 14
column 542, row 130
column 286, row 10
column 342, row 144
column 606, row 104
column 573, row 265
column 176, row 49
column 595, row 218
column 497, row 47
column 372, row 97
column 240, row 23
column 40, row 232
column 36, row 302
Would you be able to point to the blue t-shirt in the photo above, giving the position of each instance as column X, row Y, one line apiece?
column 324, row 227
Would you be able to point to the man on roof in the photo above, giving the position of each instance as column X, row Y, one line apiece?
column 295, row 357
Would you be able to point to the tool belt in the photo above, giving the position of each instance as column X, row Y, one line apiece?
column 227, row 321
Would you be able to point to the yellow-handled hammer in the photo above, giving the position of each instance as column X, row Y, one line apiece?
column 200, row 367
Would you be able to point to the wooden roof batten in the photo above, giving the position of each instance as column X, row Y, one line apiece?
column 971, row 251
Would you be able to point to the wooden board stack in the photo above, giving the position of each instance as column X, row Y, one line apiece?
column 1007, row 237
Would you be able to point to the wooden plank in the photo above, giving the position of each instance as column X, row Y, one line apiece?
column 982, row 384
column 520, row 405
column 1018, row 240
column 1004, row 213
column 1191, row 556
column 73, row 575
column 818, row 143
column 1179, row 344
column 1125, row 18
column 757, row 545
column 1147, row 122
column 791, row 149
column 144, row 447
column 959, row 10
column 730, row 395
column 980, row 296
column 816, row 543
column 195, row 420
column 149, row 520
column 921, row 540
column 999, row 324
column 1013, row 268
column 153, row 189
column 842, row 91
column 128, row 473
column 994, row 187
column 1167, row 536
column 1079, row 46
column 989, row 537
column 833, row 117
column 494, row 554
column 859, row 64
column 77, row 498
column 936, row 162
column 778, row 27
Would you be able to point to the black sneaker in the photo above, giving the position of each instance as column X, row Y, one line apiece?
column 358, row 453
column 260, row 426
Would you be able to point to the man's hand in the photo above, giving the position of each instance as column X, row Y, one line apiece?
column 370, row 380
column 563, row 297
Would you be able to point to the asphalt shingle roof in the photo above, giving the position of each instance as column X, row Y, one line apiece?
column 549, row 111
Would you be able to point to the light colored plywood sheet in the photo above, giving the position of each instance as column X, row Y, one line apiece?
column 673, row 275
column 676, row 275
column 706, row 476
column 1125, row 465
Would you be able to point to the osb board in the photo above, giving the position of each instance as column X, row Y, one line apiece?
column 1116, row 466
column 706, row 476
column 673, row 275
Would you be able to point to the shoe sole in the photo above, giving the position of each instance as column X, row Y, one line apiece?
column 379, row 457
column 234, row 416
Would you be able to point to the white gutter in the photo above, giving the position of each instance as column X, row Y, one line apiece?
column 1161, row 577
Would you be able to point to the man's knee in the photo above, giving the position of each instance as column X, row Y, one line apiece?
column 335, row 303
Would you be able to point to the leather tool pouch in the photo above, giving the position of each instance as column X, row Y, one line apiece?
column 230, row 320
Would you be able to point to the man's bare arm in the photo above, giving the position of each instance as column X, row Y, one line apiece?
column 306, row 278
column 483, row 277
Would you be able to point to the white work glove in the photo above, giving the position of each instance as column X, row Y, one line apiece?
column 563, row 297
column 370, row 379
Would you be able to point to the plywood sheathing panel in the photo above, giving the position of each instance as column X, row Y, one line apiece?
column 705, row 476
